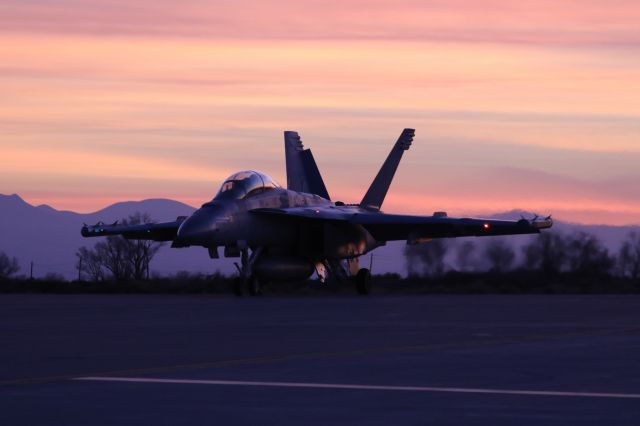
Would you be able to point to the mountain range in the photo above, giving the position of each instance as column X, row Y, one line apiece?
column 50, row 238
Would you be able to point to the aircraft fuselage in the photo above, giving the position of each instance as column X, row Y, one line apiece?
column 232, row 224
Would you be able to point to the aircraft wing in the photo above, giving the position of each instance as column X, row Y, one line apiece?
column 413, row 229
column 149, row 231
column 387, row 227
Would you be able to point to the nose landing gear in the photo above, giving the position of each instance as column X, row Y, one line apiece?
column 247, row 282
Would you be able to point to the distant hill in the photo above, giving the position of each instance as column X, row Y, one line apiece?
column 50, row 237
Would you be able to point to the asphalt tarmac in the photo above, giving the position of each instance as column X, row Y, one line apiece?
column 182, row 360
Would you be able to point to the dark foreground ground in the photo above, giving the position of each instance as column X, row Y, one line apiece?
column 519, row 281
column 485, row 360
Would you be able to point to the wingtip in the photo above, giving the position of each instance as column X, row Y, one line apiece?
column 545, row 223
column 406, row 138
column 293, row 140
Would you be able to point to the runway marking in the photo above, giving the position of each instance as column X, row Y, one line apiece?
column 364, row 387
column 458, row 344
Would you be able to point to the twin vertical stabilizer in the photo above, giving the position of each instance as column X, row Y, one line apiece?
column 374, row 197
column 302, row 172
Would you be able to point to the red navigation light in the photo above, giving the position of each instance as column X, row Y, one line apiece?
column 485, row 226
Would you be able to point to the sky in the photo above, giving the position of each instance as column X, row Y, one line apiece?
column 532, row 105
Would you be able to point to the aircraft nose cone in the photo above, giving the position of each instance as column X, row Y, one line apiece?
column 187, row 232
column 196, row 230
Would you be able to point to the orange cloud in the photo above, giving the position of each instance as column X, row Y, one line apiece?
column 148, row 89
column 573, row 22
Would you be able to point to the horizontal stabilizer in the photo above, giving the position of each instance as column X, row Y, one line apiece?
column 374, row 197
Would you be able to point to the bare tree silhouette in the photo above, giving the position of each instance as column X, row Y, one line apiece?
column 123, row 259
column 586, row 255
column 140, row 252
column 500, row 255
column 113, row 253
column 465, row 256
column 90, row 264
column 546, row 253
column 629, row 257
column 8, row 266
column 426, row 259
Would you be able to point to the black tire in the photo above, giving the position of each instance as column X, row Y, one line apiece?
column 255, row 289
column 363, row 282
column 237, row 287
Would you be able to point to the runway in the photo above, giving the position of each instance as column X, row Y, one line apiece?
column 161, row 359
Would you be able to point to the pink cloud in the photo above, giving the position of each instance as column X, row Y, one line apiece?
column 151, row 86
column 493, row 189
column 495, row 21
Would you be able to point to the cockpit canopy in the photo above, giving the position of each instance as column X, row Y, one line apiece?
column 245, row 184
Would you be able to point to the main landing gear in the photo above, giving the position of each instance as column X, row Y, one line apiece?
column 363, row 281
column 249, row 283
column 360, row 277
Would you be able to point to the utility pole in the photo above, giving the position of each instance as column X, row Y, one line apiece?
column 371, row 264
column 31, row 274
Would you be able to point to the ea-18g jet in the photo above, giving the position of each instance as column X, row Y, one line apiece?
column 288, row 234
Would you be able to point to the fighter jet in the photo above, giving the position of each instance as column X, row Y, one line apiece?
column 288, row 234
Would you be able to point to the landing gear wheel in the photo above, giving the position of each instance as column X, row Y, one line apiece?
column 237, row 287
column 363, row 281
column 255, row 289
